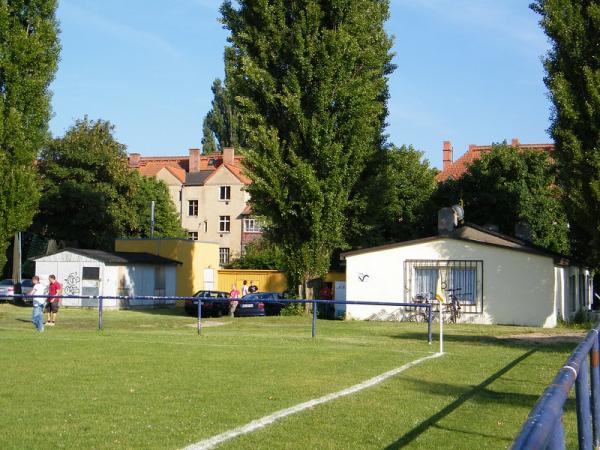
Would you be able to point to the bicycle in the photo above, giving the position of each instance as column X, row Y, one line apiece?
column 420, row 314
column 453, row 307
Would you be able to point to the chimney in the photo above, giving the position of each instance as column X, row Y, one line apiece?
column 228, row 155
column 134, row 159
column 447, row 154
column 194, row 160
column 515, row 142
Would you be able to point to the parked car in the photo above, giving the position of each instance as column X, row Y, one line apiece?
column 250, row 305
column 7, row 287
column 271, row 305
column 209, row 308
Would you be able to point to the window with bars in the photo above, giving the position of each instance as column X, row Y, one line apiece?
column 462, row 278
column 192, row 207
column 224, row 224
column 223, row 256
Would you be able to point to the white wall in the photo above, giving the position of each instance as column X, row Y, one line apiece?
column 518, row 287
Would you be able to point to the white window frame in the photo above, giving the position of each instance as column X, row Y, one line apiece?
column 224, row 224
column 193, row 235
column 252, row 225
column 224, row 255
column 193, row 208
column 225, row 193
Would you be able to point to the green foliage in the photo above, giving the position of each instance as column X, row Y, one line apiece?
column 507, row 186
column 208, row 139
column 573, row 78
column 260, row 254
column 90, row 196
column 223, row 118
column 397, row 196
column 28, row 60
column 310, row 82
column 166, row 218
column 293, row 309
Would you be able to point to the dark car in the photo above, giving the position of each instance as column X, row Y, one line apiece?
column 250, row 305
column 209, row 306
column 270, row 299
column 7, row 288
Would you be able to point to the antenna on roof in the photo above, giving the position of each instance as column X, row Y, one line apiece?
column 459, row 211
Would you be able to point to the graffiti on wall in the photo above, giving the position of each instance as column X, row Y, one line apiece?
column 71, row 284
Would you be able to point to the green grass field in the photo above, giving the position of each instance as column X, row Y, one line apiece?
column 149, row 381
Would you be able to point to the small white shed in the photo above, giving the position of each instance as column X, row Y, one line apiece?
column 501, row 280
column 99, row 273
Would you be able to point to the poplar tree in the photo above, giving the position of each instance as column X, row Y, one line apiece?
column 29, row 53
column 573, row 79
column 309, row 79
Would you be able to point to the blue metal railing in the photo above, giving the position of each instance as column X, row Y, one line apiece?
column 314, row 303
column 544, row 428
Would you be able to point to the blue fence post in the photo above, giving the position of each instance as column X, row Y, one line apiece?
column 199, row 316
column 582, row 400
column 429, row 318
column 100, row 313
column 314, row 319
column 557, row 438
column 595, row 374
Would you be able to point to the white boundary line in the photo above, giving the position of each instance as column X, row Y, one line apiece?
column 267, row 420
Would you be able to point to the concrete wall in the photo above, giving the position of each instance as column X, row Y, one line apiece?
column 518, row 287
column 195, row 256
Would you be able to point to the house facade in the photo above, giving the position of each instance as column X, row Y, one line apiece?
column 208, row 192
column 98, row 273
column 498, row 279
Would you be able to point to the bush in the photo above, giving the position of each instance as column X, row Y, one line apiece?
column 293, row 309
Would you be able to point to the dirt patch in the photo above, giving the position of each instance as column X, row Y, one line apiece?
column 574, row 337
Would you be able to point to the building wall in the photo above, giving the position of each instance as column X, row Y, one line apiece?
column 175, row 189
column 265, row 280
column 518, row 287
column 195, row 256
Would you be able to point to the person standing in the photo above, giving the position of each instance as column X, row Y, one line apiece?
column 37, row 316
column 53, row 302
column 234, row 294
column 244, row 288
column 252, row 289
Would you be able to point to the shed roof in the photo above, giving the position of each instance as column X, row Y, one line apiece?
column 117, row 257
column 473, row 233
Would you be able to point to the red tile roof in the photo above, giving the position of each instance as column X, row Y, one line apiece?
column 457, row 168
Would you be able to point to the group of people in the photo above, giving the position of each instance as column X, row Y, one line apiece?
column 50, row 304
column 236, row 294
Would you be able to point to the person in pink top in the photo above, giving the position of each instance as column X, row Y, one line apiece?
column 233, row 303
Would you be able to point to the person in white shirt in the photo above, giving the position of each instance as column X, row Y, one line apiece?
column 37, row 316
column 244, row 288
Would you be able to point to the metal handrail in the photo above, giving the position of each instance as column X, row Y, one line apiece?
column 544, row 428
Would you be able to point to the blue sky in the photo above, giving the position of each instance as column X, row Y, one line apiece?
column 469, row 71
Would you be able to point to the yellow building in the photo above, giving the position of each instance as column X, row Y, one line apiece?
column 199, row 260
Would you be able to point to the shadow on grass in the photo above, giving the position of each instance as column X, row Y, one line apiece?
column 477, row 390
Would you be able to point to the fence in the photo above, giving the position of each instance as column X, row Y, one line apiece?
column 544, row 428
column 171, row 300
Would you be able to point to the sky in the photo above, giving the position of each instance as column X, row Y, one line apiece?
column 468, row 71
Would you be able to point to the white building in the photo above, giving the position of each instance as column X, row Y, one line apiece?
column 98, row 273
column 501, row 280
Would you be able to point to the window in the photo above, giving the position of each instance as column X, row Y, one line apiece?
column 225, row 193
column 223, row 256
column 90, row 273
column 252, row 225
column 464, row 278
column 193, row 235
column 192, row 207
column 224, row 224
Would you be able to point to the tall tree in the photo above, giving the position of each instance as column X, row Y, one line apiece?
column 310, row 81
column 28, row 60
column 208, row 138
column 508, row 186
column 223, row 118
column 573, row 78
column 90, row 196
column 397, row 197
